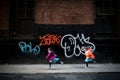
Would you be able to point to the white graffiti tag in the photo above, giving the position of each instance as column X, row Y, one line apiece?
column 75, row 45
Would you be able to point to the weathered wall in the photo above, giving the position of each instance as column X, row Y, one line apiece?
column 64, row 12
column 4, row 18
column 4, row 15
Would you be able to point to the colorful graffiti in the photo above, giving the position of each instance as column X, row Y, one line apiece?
column 49, row 39
column 75, row 45
column 27, row 48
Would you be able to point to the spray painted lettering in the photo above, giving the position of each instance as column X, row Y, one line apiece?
column 75, row 45
column 27, row 48
column 49, row 39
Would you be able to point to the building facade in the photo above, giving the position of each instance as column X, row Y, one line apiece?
column 33, row 20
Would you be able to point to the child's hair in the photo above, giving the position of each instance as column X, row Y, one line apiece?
column 49, row 49
column 88, row 48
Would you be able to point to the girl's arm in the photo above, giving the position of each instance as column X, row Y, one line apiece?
column 47, row 55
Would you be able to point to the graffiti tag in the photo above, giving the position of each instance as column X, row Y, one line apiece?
column 27, row 48
column 75, row 45
column 49, row 39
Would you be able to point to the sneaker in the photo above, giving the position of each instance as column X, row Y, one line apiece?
column 61, row 62
column 86, row 67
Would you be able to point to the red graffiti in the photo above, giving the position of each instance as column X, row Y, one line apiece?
column 49, row 39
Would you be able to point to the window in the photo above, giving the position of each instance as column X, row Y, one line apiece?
column 22, row 8
column 21, row 17
column 105, row 16
column 104, row 7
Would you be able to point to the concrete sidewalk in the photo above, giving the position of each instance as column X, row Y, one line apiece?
column 58, row 68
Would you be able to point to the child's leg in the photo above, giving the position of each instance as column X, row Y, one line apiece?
column 94, row 61
column 60, row 62
column 86, row 64
column 57, row 60
column 50, row 62
column 88, row 60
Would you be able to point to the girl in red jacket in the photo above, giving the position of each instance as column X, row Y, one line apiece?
column 89, row 56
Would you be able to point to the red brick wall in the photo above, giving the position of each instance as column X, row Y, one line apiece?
column 64, row 12
column 4, row 15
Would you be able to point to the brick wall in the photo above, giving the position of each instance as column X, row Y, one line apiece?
column 4, row 15
column 64, row 12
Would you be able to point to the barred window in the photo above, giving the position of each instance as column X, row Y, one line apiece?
column 22, row 8
column 104, row 7
column 105, row 16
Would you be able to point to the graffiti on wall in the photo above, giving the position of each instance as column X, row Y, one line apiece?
column 49, row 39
column 27, row 48
column 74, row 46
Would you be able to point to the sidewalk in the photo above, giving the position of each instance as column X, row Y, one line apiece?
column 58, row 68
